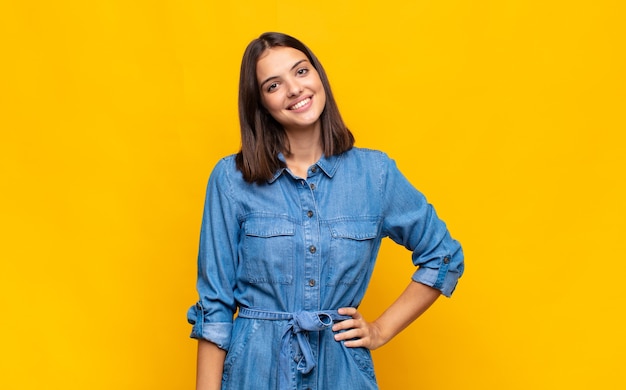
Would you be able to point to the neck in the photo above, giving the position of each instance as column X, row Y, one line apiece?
column 306, row 150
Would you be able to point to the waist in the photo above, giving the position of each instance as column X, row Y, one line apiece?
column 326, row 317
column 296, row 329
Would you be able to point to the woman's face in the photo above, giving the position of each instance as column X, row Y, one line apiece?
column 291, row 89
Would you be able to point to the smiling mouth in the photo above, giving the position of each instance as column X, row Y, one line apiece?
column 300, row 104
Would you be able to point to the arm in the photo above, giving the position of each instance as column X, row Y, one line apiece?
column 409, row 220
column 414, row 301
column 210, row 366
column 212, row 315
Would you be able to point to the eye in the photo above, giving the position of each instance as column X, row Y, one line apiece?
column 302, row 71
column 272, row 87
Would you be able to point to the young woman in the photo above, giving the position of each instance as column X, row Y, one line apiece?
column 291, row 229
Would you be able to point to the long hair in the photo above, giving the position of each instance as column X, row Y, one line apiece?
column 262, row 137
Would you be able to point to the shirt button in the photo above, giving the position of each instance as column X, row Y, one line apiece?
column 446, row 260
column 312, row 186
column 314, row 169
column 312, row 249
column 309, row 213
column 312, row 282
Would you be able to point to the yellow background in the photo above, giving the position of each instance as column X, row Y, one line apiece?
column 508, row 115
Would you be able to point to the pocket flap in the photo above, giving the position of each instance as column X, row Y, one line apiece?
column 356, row 228
column 269, row 227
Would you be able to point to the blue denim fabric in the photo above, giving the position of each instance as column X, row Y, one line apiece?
column 296, row 247
column 299, row 325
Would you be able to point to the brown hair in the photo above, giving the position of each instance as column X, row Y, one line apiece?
column 262, row 137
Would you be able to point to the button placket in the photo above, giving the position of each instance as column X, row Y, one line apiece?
column 311, row 242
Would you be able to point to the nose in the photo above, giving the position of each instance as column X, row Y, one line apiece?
column 294, row 88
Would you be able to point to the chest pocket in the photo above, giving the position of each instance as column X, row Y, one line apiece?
column 268, row 250
column 352, row 245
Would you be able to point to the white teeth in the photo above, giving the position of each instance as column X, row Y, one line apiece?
column 300, row 104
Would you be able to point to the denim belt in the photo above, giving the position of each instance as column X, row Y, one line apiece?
column 299, row 322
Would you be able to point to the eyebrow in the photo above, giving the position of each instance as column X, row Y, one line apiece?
column 292, row 68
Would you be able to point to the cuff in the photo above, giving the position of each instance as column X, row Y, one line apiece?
column 216, row 332
column 442, row 279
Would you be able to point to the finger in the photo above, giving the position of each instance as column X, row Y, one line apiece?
column 353, row 332
column 352, row 340
column 345, row 324
column 347, row 311
column 349, row 334
column 355, row 343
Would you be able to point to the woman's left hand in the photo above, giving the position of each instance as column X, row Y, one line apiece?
column 357, row 332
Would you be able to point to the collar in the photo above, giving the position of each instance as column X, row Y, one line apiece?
column 328, row 165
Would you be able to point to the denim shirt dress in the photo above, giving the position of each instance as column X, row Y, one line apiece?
column 283, row 256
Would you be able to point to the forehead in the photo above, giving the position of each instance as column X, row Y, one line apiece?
column 276, row 61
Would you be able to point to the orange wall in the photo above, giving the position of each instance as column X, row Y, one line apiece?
column 509, row 115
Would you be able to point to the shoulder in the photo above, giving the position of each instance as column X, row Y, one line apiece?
column 373, row 163
column 366, row 153
column 365, row 157
column 225, row 166
column 364, row 165
column 226, row 162
column 225, row 172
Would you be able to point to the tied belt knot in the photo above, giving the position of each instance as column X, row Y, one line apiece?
column 298, row 324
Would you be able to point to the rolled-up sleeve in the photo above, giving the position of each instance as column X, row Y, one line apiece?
column 216, row 332
column 411, row 221
column 212, row 315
